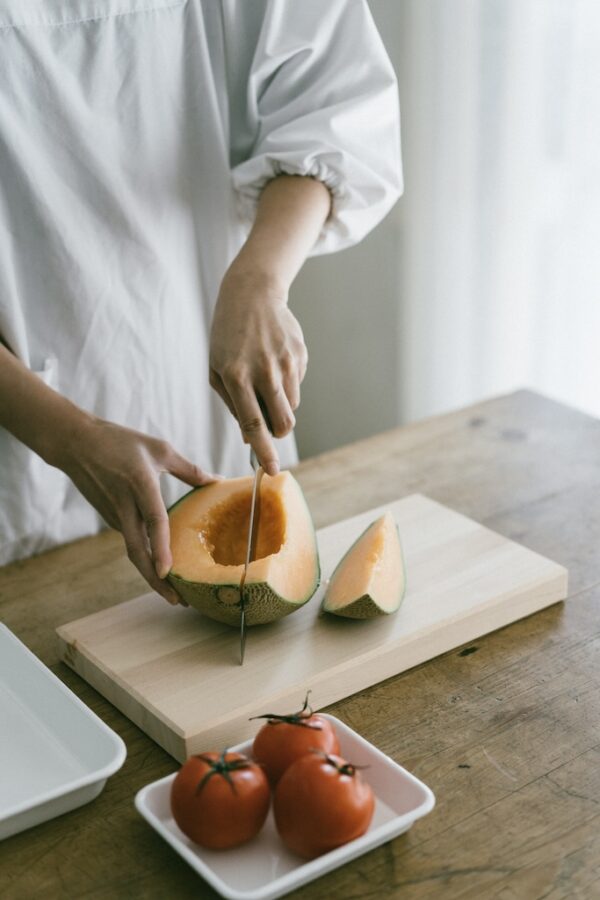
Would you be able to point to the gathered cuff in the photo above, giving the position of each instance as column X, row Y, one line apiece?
column 352, row 213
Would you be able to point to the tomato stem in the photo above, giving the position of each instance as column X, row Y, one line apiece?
column 345, row 768
column 223, row 767
column 299, row 718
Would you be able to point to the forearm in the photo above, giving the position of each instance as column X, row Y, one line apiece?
column 32, row 412
column 290, row 215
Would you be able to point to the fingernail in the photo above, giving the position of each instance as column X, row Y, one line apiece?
column 272, row 468
column 162, row 570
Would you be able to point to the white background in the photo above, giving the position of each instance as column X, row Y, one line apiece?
column 486, row 276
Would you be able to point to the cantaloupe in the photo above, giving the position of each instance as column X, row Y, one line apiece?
column 209, row 533
column 370, row 579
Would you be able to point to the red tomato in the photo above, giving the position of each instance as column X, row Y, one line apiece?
column 321, row 802
column 220, row 800
column 284, row 739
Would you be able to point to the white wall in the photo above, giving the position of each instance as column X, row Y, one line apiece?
column 346, row 304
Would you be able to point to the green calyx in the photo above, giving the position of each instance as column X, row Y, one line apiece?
column 222, row 767
column 299, row 718
column 344, row 768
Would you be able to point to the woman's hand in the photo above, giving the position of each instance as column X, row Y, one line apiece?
column 257, row 352
column 118, row 471
column 115, row 468
column 257, row 360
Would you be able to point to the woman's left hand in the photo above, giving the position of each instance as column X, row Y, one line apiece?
column 258, row 359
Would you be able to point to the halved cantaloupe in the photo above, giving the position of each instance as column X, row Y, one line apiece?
column 209, row 534
column 370, row 579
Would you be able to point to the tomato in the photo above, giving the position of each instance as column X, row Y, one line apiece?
column 321, row 802
column 284, row 739
column 220, row 800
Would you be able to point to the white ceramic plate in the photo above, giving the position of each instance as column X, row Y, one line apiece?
column 263, row 869
column 55, row 753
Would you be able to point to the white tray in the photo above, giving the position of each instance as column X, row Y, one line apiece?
column 263, row 869
column 55, row 753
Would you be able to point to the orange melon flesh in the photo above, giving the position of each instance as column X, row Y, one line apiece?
column 370, row 579
column 209, row 534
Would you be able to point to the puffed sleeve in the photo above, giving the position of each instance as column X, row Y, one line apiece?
column 321, row 100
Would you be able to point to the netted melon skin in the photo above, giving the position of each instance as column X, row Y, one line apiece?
column 222, row 601
column 362, row 608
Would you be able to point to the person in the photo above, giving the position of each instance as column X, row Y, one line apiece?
column 166, row 166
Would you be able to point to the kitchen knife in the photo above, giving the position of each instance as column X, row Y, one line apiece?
column 250, row 548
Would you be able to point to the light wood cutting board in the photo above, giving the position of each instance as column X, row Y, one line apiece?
column 176, row 674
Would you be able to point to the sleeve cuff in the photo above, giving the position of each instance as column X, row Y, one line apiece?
column 353, row 212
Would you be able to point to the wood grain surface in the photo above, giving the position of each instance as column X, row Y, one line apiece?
column 506, row 730
column 149, row 658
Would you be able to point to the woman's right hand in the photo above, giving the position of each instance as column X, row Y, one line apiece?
column 117, row 470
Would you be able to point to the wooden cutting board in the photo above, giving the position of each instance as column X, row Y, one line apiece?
column 176, row 674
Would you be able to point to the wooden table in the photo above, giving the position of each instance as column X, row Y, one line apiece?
column 506, row 731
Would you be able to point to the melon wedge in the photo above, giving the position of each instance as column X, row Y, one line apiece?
column 370, row 579
column 209, row 533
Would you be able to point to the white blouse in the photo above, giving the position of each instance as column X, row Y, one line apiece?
column 135, row 138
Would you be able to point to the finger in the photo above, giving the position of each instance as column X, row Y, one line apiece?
column 216, row 382
column 187, row 471
column 278, row 408
column 154, row 515
column 297, row 361
column 253, row 425
column 303, row 366
column 291, row 386
column 138, row 551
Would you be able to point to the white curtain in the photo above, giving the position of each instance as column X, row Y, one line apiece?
column 486, row 276
column 500, row 224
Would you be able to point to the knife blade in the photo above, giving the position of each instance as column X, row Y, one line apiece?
column 250, row 547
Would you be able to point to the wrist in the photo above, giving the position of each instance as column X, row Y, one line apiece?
column 69, row 427
column 35, row 414
column 249, row 277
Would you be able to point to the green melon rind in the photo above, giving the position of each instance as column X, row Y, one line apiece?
column 365, row 607
column 263, row 604
column 187, row 494
column 222, row 601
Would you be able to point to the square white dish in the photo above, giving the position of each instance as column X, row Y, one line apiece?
column 55, row 753
column 264, row 869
